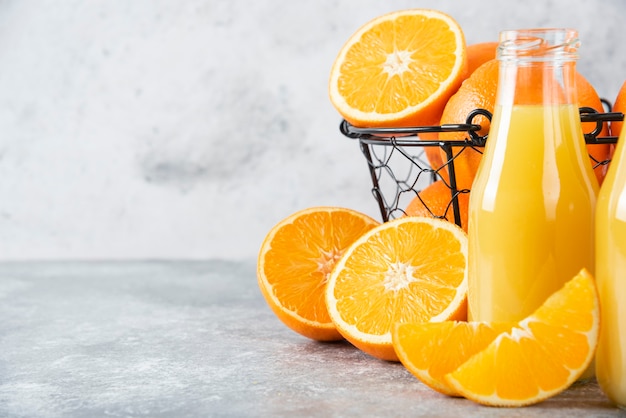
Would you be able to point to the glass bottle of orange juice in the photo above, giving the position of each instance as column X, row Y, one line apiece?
column 611, row 277
column 532, row 205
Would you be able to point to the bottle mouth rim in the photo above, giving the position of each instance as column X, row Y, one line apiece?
column 540, row 44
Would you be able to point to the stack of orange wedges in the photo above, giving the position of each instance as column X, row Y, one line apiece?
column 508, row 364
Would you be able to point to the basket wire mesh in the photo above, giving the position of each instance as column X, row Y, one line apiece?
column 399, row 168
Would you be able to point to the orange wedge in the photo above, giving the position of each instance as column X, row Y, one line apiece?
column 295, row 261
column 399, row 69
column 411, row 269
column 432, row 350
column 541, row 356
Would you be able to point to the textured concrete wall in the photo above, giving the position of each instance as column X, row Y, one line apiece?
column 186, row 129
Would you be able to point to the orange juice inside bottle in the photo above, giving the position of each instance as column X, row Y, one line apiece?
column 611, row 278
column 531, row 211
column 532, row 205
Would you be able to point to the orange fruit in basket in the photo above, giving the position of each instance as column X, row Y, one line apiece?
column 295, row 261
column 477, row 54
column 399, row 69
column 436, row 201
column 480, row 53
column 410, row 269
column 619, row 106
column 433, row 154
column 432, row 350
column 479, row 91
column 541, row 356
column 588, row 97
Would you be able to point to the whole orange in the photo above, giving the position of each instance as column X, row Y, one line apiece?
column 619, row 106
column 588, row 97
column 479, row 91
column 436, row 201
column 477, row 54
column 480, row 53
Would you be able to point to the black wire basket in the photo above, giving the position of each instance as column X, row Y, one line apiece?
column 399, row 168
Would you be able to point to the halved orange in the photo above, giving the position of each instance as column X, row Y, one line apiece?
column 411, row 269
column 541, row 356
column 432, row 350
column 399, row 69
column 296, row 259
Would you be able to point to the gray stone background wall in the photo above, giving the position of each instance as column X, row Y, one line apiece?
column 186, row 129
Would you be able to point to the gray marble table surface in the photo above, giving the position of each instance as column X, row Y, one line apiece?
column 196, row 339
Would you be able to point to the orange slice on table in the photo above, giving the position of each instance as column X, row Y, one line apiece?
column 541, row 356
column 399, row 69
column 411, row 269
column 432, row 350
column 296, row 259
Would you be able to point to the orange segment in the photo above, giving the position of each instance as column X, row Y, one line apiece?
column 296, row 259
column 541, row 356
column 399, row 69
column 411, row 269
column 432, row 350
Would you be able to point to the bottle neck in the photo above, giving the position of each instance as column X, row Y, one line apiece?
column 546, row 83
column 537, row 67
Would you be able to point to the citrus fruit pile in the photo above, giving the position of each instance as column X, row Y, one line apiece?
column 398, row 290
column 413, row 68
column 333, row 273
